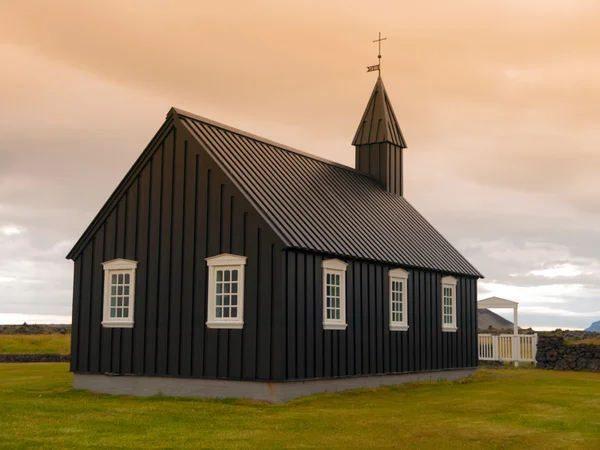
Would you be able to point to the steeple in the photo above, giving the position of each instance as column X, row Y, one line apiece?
column 379, row 141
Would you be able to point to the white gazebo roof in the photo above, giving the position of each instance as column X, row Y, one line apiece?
column 497, row 302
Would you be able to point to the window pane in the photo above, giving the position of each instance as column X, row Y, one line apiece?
column 113, row 312
column 234, row 288
column 120, row 278
column 225, row 312
column 114, row 279
column 234, row 275
column 126, row 290
column 219, row 275
column 226, row 300
column 226, row 275
column 329, row 314
column 126, row 278
column 125, row 301
column 126, row 312
column 226, row 286
column 219, row 312
column 120, row 290
column 337, row 314
column 119, row 312
column 113, row 290
column 328, row 278
column 219, row 288
column 219, row 299
column 119, row 301
column 113, row 301
column 233, row 312
column 234, row 300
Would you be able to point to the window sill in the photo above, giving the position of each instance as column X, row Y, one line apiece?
column 449, row 329
column 109, row 324
column 396, row 327
column 232, row 325
column 334, row 326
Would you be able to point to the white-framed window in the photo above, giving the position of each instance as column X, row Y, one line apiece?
column 334, row 294
column 449, row 304
column 226, row 291
column 398, row 303
column 119, row 293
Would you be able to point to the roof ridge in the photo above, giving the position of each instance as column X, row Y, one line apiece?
column 189, row 115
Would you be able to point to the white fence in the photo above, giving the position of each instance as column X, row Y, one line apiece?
column 507, row 347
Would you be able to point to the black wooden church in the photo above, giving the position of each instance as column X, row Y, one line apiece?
column 225, row 264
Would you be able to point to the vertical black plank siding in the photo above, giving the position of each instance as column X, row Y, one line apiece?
column 165, row 247
column 77, row 277
column 177, row 246
column 318, row 308
column 154, row 224
column 84, row 308
column 291, row 335
column 367, row 346
column 300, row 314
column 106, row 344
column 351, row 320
column 96, row 308
column 179, row 209
column 141, row 234
column 187, row 266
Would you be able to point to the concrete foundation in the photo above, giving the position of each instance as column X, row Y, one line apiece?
column 273, row 392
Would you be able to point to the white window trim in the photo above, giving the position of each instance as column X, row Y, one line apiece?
column 225, row 261
column 449, row 282
column 337, row 267
column 402, row 276
column 118, row 264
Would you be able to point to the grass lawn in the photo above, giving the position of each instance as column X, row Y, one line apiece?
column 38, row 343
column 499, row 408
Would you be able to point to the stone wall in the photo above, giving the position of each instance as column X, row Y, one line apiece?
column 552, row 353
column 47, row 357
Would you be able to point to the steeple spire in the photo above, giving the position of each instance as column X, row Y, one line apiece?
column 378, row 140
column 379, row 123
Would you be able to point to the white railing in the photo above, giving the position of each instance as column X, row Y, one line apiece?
column 507, row 347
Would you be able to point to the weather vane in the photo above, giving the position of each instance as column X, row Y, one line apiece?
column 377, row 66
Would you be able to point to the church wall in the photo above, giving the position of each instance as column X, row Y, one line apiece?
column 367, row 346
column 178, row 208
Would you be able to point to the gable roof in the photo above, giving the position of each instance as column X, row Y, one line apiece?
column 317, row 205
column 379, row 123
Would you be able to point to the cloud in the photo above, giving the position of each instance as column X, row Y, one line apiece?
column 11, row 230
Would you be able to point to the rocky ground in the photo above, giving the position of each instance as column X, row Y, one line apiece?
column 35, row 329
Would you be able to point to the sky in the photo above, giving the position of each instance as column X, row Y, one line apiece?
column 499, row 102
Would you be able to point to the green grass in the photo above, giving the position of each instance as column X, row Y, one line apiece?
column 502, row 408
column 42, row 343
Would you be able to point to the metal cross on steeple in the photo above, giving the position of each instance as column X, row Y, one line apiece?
column 378, row 66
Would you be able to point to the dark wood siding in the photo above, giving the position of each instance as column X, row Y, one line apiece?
column 178, row 209
column 367, row 346
column 382, row 161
